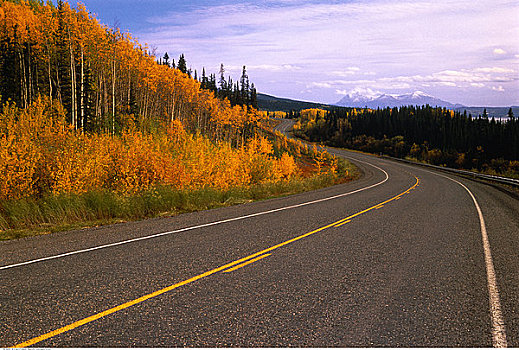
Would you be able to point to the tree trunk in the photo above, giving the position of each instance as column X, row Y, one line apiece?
column 113, row 96
column 73, row 93
column 50, row 79
column 30, row 85
column 23, row 81
column 82, row 93
column 129, row 89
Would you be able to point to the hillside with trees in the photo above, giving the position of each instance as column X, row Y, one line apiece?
column 272, row 104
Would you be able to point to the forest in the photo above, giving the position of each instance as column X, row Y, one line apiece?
column 103, row 77
column 430, row 134
column 86, row 109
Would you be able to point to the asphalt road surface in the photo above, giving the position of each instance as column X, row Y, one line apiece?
column 401, row 257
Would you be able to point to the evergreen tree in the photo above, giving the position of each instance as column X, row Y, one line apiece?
column 182, row 66
column 212, row 83
column 223, row 85
column 253, row 97
column 204, row 79
column 165, row 59
column 244, row 84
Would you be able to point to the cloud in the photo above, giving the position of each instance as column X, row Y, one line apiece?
column 360, row 91
column 494, row 70
column 345, row 72
column 499, row 88
column 408, row 43
column 379, row 29
column 265, row 67
column 448, row 78
column 349, row 71
column 446, row 83
column 319, row 85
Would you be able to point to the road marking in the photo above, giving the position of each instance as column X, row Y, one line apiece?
column 342, row 223
column 496, row 315
column 192, row 279
column 246, row 263
column 202, row 225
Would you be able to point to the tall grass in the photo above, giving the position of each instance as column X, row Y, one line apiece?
column 29, row 216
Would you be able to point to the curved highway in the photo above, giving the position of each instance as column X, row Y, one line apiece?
column 402, row 257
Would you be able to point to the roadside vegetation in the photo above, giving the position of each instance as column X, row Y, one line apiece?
column 94, row 130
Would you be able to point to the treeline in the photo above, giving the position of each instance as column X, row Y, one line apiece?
column 434, row 135
column 239, row 93
column 105, row 78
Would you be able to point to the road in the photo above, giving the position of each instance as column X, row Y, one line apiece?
column 400, row 258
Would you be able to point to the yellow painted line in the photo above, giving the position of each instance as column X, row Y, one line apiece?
column 380, row 206
column 246, row 263
column 342, row 223
column 193, row 279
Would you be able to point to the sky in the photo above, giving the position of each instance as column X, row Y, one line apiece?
column 461, row 51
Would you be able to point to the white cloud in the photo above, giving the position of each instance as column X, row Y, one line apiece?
column 494, row 70
column 446, row 83
column 320, row 85
column 360, row 91
column 444, row 78
column 265, row 67
column 465, row 78
column 346, row 72
column 499, row 51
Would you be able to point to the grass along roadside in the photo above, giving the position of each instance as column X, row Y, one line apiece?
column 30, row 217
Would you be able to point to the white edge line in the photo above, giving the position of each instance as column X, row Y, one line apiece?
column 496, row 315
column 200, row 226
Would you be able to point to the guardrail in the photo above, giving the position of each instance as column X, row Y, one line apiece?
column 499, row 179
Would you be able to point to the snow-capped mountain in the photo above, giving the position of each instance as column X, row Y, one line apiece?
column 357, row 99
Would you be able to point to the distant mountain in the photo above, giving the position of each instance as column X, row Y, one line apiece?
column 418, row 98
column 271, row 103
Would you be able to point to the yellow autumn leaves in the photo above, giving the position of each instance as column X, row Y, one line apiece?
column 40, row 153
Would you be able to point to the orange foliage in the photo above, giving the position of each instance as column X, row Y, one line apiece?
column 40, row 153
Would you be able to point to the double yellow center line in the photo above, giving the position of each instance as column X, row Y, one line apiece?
column 232, row 266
